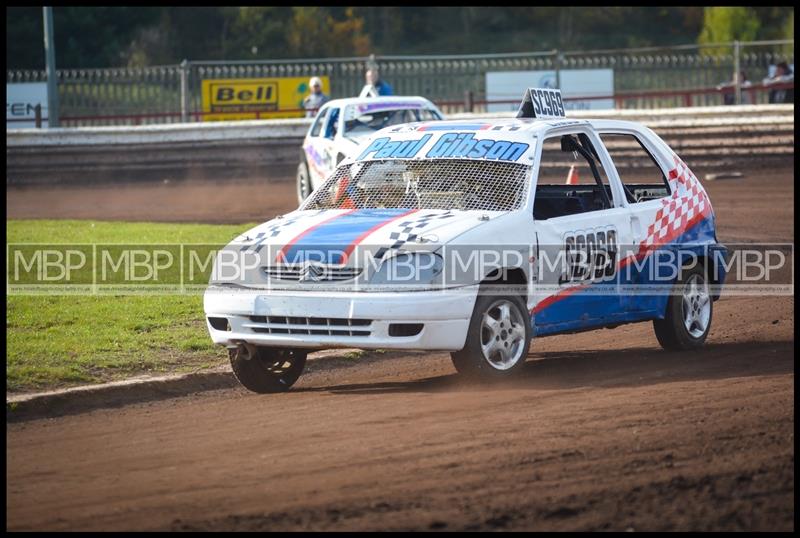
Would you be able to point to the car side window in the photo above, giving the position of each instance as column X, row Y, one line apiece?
column 638, row 170
column 317, row 127
column 571, row 179
column 333, row 124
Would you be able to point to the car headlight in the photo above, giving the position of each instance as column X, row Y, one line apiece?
column 409, row 269
column 237, row 266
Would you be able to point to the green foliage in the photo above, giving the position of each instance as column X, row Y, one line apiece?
column 85, row 36
column 314, row 32
column 24, row 38
column 777, row 22
column 117, row 36
column 258, row 32
column 725, row 24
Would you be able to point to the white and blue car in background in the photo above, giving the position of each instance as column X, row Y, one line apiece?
column 474, row 237
column 341, row 124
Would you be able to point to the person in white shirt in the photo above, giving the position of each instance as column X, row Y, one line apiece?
column 316, row 99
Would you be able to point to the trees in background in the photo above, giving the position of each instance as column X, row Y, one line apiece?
column 725, row 24
column 89, row 37
column 85, row 37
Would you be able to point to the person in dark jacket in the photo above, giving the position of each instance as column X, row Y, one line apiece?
column 374, row 79
column 783, row 74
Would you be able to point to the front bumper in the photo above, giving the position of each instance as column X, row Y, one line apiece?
column 340, row 319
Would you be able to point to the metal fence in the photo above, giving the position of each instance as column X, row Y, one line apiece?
column 643, row 78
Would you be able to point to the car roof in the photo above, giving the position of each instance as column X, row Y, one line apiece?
column 511, row 128
column 406, row 99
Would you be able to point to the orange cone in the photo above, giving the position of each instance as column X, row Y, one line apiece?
column 572, row 177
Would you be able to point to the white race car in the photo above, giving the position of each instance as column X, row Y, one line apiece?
column 474, row 237
column 342, row 124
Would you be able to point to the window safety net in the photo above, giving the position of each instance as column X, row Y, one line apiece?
column 461, row 184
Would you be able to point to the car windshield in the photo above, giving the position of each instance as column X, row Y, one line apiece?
column 369, row 122
column 461, row 184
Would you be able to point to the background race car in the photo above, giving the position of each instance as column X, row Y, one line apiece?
column 342, row 124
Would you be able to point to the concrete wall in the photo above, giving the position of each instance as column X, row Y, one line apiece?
column 707, row 138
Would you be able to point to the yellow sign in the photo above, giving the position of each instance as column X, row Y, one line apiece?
column 256, row 98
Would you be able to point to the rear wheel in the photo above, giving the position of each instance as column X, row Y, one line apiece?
column 267, row 369
column 498, row 338
column 687, row 321
column 303, row 182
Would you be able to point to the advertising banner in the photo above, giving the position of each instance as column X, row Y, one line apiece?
column 511, row 85
column 21, row 101
column 256, row 98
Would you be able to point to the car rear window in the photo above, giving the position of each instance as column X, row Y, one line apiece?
column 462, row 184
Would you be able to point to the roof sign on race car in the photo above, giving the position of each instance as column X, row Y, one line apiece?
column 541, row 103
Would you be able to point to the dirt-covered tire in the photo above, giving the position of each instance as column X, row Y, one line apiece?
column 690, row 308
column 498, row 338
column 269, row 370
column 303, row 180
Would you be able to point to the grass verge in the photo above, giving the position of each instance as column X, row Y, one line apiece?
column 63, row 340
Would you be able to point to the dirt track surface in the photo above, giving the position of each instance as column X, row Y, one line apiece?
column 602, row 431
column 755, row 207
column 590, row 437
column 231, row 201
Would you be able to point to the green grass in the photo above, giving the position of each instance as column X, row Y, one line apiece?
column 355, row 355
column 90, row 231
column 62, row 340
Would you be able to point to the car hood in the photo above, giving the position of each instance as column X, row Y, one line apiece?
column 357, row 138
column 349, row 236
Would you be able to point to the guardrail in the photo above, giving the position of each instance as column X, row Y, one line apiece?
column 705, row 137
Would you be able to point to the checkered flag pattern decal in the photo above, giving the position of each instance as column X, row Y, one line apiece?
column 688, row 201
column 409, row 230
column 272, row 231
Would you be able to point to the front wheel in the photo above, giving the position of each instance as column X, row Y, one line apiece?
column 266, row 369
column 687, row 320
column 498, row 338
column 303, row 182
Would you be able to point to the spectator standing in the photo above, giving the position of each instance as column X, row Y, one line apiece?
column 729, row 89
column 316, row 98
column 374, row 85
column 783, row 75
